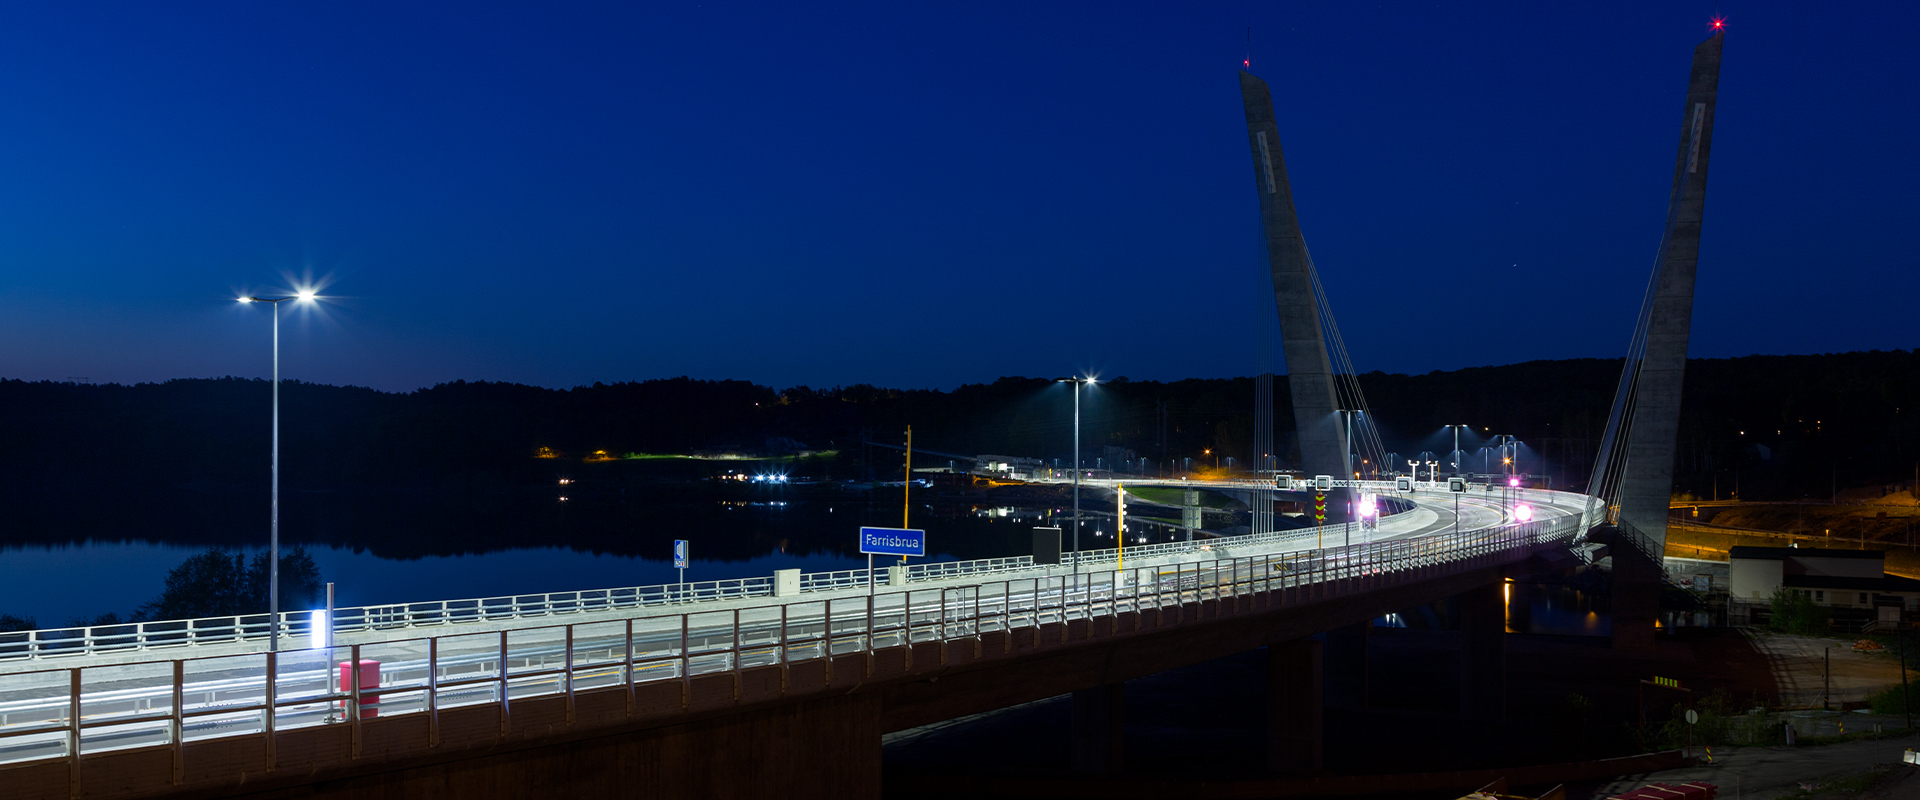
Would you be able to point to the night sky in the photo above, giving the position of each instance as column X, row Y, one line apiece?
column 559, row 194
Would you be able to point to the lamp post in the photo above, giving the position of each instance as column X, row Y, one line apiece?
column 1077, row 382
column 273, row 538
column 1455, row 455
column 1348, row 473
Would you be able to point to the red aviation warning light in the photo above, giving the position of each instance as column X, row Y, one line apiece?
column 1719, row 24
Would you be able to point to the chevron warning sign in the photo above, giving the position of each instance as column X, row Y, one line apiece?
column 1319, row 507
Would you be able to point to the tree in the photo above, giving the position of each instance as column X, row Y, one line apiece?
column 220, row 583
column 1795, row 612
column 300, row 584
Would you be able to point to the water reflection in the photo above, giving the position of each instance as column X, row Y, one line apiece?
column 91, row 556
column 1553, row 608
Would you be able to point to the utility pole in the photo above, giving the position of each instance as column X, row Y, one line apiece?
column 1906, row 699
column 906, row 491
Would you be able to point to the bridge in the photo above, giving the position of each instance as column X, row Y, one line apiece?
column 785, row 683
column 158, row 708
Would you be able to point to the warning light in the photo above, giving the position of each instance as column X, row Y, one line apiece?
column 1248, row 64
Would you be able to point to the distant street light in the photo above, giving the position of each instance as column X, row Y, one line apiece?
column 1456, row 454
column 273, row 539
column 1077, row 382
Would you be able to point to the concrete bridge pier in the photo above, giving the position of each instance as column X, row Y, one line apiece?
column 1099, row 721
column 1295, row 693
column 1636, row 596
column 1346, row 665
column 1483, row 652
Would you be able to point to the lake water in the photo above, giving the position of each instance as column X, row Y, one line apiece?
column 68, row 558
column 1548, row 608
column 55, row 584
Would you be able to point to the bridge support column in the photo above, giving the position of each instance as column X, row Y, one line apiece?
column 1294, row 698
column 1098, row 725
column 1346, row 665
column 1483, row 652
column 1636, row 595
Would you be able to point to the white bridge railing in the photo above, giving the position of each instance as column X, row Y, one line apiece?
column 83, row 711
column 149, row 635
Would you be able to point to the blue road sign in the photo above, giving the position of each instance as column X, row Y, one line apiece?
column 893, row 541
column 680, row 554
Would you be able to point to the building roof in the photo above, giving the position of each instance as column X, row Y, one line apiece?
column 1783, row 553
column 1886, row 583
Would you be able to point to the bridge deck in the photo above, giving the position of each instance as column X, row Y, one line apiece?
column 89, row 707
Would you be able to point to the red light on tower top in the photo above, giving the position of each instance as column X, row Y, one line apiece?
column 1719, row 23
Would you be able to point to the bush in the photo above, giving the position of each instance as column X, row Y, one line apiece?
column 1893, row 700
column 1795, row 612
column 1722, row 721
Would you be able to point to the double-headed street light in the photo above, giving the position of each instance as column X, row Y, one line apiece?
column 273, row 538
column 1077, row 382
column 1455, row 456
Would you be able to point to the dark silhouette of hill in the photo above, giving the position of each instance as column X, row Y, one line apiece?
column 1788, row 425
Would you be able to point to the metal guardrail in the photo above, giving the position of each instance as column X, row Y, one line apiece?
column 150, row 635
column 134, row 636
column 160, row 705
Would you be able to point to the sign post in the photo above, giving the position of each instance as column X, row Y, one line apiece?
column 680, row 560
column 1046, row 546
column 1320, row 518
column 901, row 542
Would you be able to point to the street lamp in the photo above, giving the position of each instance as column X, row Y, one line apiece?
column 273, row 539
column 1456, row 454
column 1077, row 383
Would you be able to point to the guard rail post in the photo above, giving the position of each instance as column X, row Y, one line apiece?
column 177, row 721
column 566, row 675
column 353, row 700
column 73, row 726
column 506, row 705
column 686, row 665
column 273, row 681
column 626, row 664
column 433, row 690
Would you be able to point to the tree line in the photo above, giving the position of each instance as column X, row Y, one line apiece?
column 1789, row 425
column 215, row 583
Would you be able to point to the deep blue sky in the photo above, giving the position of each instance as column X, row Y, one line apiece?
column 916, row 196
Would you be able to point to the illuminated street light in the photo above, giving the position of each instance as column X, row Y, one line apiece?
column 1456, row 454
column 1077, row 382
column 273, row 538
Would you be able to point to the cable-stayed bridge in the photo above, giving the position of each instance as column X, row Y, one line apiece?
column 786, row 682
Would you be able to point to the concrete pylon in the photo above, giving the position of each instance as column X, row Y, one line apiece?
column 1323, row 445
column 1646, row 485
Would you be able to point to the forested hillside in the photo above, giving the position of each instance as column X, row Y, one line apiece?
column 1788, row 425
